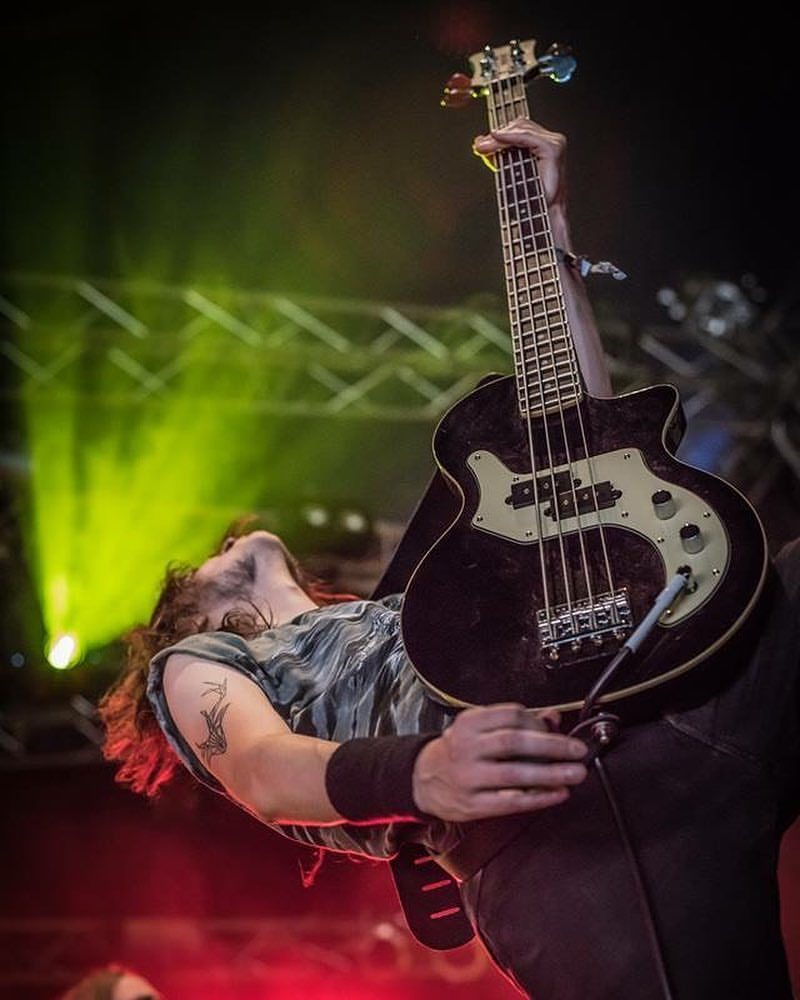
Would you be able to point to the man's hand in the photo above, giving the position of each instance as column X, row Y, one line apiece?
column 494, row 761
column 550, row 149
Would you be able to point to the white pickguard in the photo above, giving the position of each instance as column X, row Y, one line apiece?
column 634, row 511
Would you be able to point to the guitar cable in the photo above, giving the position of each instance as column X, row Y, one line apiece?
column 603, row 727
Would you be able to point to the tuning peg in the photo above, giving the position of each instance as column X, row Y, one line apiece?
column 558, row 63
column 457, row 91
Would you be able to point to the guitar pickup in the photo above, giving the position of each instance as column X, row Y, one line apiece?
column 601, row 496
column 524, row 495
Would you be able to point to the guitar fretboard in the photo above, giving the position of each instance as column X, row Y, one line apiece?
column 545, row 364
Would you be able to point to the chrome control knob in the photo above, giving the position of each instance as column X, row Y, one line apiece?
column 663, row 504
column 692, row 539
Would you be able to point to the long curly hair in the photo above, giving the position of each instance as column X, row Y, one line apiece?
column 133, row 737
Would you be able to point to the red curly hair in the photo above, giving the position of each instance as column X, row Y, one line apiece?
column 133, row 737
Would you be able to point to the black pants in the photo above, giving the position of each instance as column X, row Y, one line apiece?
column 707, row 794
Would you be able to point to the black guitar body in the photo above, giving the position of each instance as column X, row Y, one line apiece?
column 479, row 604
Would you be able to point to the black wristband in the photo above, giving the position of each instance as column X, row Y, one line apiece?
column 369, row 779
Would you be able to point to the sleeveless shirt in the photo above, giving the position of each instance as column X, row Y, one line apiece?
column 336, row 672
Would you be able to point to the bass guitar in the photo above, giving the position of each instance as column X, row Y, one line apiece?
column 573, row 510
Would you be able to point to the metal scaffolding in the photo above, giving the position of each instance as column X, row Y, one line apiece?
column 344, row 358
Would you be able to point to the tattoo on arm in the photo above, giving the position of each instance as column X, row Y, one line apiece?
column 217, row 743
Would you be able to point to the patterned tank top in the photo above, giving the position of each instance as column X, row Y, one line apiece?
column 335, row 672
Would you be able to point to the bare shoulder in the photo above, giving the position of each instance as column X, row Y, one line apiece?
column 219, row 711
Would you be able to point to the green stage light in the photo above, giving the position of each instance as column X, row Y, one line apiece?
column 63, row 652
column 119, row 487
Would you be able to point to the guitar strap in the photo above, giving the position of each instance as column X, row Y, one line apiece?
column 430, row 899
column 428, row 885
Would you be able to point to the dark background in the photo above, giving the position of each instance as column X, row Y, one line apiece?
column 303, row 151
column 681, row 128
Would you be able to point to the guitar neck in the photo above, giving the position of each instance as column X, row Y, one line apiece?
column 545, row 364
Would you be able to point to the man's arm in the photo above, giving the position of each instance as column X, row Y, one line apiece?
column 239, row 737
column 492, row 761
column 550, row 149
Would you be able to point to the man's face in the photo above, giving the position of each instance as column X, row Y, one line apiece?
column 242, row 560
column 253, row 567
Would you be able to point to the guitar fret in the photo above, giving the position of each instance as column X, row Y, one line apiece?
column 542, row 348
column 521, row 357
column 529, row 235
column 534, row 286
column 541, row 338
column 562, row 383
column 549, row 398
column 564, row 370
column 531, row 256
column 531, row 250
column 524, row 223
column 540, row 335
column 540, row 293
column 519, row 264
column 511, row 184
column 568, row 365
column 542, row 321
column 540, row 341
column 548, row 305
column 522, row 229
column 523, row 290
column 545, row 327
column 558, row 359
column 562, row 379
column 520, row 271
column 536, row 406
column 554, row 360
column 526, row 259
column 553, row 391
column 523, row 303
column 533, row 239
column 549, row 363
column 523, row 216
column 528, row 295
column 549, row 320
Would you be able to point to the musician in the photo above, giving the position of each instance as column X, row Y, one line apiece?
column 301, row 706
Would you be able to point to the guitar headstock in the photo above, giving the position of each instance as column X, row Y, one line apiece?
column 515, row 62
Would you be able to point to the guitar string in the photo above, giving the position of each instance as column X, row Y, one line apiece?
column 525, row 161
column 511, row 160
column 509, row 277
column 538, row 201
column 523, row 107
column 506, row 160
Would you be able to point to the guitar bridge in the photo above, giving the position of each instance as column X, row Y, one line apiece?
column 569, row 627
